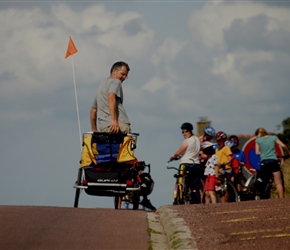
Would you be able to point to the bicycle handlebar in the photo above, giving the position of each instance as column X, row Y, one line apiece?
column 173, row 168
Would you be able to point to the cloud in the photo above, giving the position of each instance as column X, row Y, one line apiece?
column 257, row 33
column 208, row 24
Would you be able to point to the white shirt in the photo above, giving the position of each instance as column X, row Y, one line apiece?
column 210, row 165
column 191, row 154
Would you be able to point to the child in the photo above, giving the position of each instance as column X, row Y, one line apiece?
column 224, row 155
column 211, row 172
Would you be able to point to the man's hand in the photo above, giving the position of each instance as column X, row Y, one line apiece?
column 114, row 128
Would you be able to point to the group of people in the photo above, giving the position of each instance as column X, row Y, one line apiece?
column 205, row 159
column 200, row 154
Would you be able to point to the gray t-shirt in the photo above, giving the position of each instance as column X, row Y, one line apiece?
column 101, row 103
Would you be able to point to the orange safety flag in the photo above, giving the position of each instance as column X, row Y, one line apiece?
column 71, row 48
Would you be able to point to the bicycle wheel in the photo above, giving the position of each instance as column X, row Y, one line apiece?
column 117, row 200
column 202, row 192
column 233, row 193
column 135, row 198
column 230, row 191
column 178, row 199
column 188, row 195
column 266, row 194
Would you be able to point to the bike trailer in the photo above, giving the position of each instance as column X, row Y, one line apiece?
column 107, row 165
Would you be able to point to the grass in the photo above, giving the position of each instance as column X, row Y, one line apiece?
column 175, row 243
column 152, row 231
column 286, row 174
column 285, row 168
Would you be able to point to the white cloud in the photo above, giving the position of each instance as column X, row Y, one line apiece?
column 155, row 84
column 208, row 23
column 167, row 51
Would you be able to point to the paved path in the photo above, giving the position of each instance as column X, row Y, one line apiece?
column 72, row 228
column 242, row 225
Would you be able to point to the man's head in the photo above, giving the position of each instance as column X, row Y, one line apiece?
column 120, row 70
column 186, row 129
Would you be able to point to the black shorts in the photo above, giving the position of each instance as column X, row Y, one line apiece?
column 270, row 166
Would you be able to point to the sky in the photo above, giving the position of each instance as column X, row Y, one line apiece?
column 224, row 60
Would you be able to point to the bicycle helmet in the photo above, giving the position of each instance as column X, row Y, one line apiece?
column 221, row 135
column 187, row 126
column 229, row 143
column 234, row 139
column 206, row 144
column 208, row 148
column 209, row 130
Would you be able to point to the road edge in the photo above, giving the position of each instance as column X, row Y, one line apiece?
column 169, row 231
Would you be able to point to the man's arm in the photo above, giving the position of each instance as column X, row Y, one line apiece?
column 93, row 119
column 115, row 128
column 181, row 150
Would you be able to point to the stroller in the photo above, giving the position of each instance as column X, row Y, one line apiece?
column 108, row 168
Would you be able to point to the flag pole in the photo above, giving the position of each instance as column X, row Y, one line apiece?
column 71, row 49
column 77, row 105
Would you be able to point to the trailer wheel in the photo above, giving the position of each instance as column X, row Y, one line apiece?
column 117, row 201
column 78, row 191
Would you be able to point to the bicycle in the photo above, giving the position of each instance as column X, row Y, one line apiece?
column 246, row 180
column 226, row 187
column 183, row 194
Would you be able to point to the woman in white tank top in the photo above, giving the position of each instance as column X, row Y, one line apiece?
column 188, row 153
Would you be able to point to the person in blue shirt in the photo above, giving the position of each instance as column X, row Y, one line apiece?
column 237, row 153
column 239, row 160
column 265, row 146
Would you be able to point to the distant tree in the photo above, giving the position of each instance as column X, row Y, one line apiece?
column 286, row 124
column 285, row 137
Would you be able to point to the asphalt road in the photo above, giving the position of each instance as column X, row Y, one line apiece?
column 72, row 228
column 263, row 224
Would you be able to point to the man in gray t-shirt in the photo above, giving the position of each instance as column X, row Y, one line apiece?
column 108, row 106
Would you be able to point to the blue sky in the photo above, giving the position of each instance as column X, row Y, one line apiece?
column 226, row 60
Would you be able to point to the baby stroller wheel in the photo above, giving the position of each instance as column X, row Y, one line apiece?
column 78, row 182
column 117, row 201
column 136, row 200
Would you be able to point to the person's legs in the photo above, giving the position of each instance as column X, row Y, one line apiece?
column 207, row 197
column 194, row 182
column 278, row 184
column 212, row 196
column 146, row 203
column 206, row 188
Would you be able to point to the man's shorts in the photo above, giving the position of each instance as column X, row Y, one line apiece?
column 210, row 183
column 124, row 128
